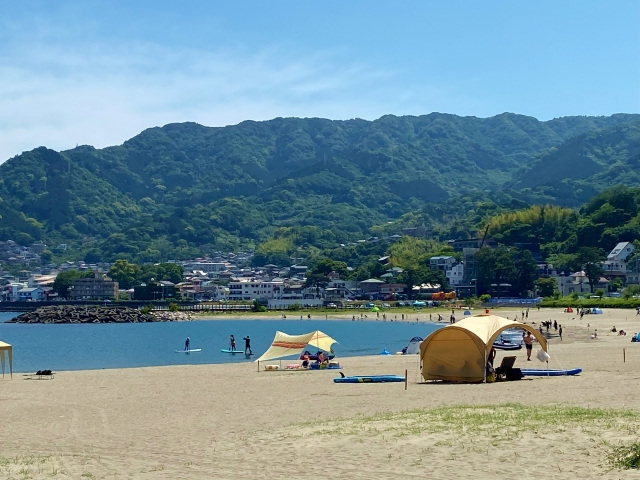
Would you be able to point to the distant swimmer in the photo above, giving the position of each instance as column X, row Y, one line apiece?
column 233, row 343
column 247, row 345
column 187, row 344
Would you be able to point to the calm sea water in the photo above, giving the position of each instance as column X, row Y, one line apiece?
column 96, row 346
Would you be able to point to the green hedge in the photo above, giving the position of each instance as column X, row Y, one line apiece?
column 565, row 302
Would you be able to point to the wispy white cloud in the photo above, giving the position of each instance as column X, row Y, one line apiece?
column 58, row 91
column 59, row 97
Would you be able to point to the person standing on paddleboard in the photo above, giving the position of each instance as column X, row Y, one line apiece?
column 247, row 345
column 187, row 344
column 233, row 343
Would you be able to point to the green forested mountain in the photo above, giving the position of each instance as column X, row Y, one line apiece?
column 172, row 189
column 584, row 165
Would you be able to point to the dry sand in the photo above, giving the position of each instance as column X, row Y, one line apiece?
column 226, row 421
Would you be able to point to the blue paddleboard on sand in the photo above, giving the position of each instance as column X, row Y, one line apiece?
column 370, row 379
column 550, row 373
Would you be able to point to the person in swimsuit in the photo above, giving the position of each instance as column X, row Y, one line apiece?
column 233, row 343
column 247, row 345
column 528, row 343
column 187, row 344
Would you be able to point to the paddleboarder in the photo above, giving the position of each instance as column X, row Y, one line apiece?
column 233, row 343
column 247, row 345
column 187, row 344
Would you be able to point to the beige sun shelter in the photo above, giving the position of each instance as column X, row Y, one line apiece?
column 6, row 347
column 285, row 345
column 459, row 352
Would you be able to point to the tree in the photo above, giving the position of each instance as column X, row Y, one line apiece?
column 615, row 285
column 526, row 270
column 546, row 286
column 316, row 280
column 64, row 281
column 494, row 266
column 590, row 258
column 324, row 266
column 46, row 256
column 170, row 272
column 414, row 275
column 124, row 273
column 92, row 256
column 599, row 292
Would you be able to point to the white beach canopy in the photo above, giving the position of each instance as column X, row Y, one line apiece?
column 6, row 347
column 285, row 345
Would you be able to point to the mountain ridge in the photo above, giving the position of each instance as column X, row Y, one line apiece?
column 231, row 186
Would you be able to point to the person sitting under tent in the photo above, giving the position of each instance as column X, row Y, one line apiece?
column 305, row 361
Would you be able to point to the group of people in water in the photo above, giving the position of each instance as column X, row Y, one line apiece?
column 232, row 345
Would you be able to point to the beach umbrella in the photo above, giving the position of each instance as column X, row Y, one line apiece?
column 375, row 309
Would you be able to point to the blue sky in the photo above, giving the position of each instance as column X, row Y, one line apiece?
column 99, row 72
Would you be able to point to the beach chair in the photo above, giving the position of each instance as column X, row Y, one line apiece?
column 505, row 367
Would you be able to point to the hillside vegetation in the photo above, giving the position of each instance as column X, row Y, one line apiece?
column 177, row 190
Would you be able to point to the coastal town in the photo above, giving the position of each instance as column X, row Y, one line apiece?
column 229, row 278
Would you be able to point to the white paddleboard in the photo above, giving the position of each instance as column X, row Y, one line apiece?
column 189, row 351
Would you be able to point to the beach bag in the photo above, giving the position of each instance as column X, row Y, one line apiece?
column 514, row 374
column 491, row 377
column 543, row 356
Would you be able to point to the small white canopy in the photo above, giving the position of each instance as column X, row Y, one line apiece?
column 285, row 345
column 6, row 347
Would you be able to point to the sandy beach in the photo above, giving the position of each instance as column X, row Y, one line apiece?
column 224, row 421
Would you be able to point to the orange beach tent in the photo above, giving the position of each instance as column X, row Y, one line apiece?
column 459, row 352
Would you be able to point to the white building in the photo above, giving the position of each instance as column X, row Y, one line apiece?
column 616, row 262
column 443, row 263
column 206, row 267
column 252, row 288
column 455, row 274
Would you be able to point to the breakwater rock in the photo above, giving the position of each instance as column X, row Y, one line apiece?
column 85, row 314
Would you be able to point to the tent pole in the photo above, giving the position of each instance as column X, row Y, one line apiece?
column 485, row 364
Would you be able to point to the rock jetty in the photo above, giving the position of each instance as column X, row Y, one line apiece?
column 86, row 314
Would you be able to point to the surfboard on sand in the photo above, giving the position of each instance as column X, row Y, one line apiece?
column 189, row 351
